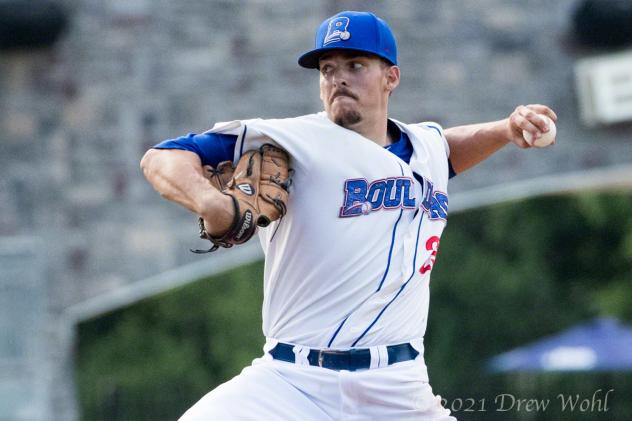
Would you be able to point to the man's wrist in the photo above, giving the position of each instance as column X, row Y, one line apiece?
column 218, row 211
column 500, row 131
column 508, row 136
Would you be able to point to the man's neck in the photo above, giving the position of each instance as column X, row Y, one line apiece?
column 375, row 130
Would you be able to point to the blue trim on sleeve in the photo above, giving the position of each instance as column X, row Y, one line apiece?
column 436, row 128
column 451, row 171
column 243, row 140
column 212, row 148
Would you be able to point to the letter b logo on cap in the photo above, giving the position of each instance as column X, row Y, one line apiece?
column 337, row 30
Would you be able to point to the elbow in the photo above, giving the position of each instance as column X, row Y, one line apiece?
column 152, row 169
column 150, row 165
column 148, row 161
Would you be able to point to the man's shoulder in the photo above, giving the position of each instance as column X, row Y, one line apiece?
column 234, row 125
column 314, row 121
column 428, row 133
column 291, row 120
column 425, row 126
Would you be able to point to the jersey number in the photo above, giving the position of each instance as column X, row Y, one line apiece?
column 431, row 244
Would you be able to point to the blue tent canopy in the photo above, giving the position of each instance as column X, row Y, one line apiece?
column 603, row 344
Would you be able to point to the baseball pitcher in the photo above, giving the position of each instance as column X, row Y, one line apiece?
column 349, row 206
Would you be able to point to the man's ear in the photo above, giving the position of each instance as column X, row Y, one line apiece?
column 392, row 78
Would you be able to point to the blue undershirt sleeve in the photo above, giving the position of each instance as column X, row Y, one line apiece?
column 212, row 148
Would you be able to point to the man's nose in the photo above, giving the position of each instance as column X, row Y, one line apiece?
column 339, row 77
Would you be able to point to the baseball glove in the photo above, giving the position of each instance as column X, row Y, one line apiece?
column 258, row 186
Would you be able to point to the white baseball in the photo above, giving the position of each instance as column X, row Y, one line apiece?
column 546, row 139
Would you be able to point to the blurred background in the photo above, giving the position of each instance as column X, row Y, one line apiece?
column 106, row 315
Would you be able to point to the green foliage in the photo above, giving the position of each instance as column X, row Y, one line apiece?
column 505, row 276
column 512, row 273
column 155, row 359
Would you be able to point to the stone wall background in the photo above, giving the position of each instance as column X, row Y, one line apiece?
column 76, row 118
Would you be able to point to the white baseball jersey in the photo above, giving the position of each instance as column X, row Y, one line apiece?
column 349, row 265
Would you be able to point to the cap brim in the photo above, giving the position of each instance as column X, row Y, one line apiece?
column 309, row 60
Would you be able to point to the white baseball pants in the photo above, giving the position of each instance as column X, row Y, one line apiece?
column 277, row 390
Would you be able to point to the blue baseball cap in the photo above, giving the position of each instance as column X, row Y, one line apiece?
column 355, row 31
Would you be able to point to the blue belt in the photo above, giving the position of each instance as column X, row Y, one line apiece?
column 352, row 359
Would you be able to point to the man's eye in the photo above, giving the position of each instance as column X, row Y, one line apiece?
column 325, row 69
column 356, row 65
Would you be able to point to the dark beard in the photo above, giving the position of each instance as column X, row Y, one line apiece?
column 348, row 118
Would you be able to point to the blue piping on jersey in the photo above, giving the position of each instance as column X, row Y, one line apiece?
column 337, row 330
column 451, row 172
column 420, row 180
column 388, row 264
column 276, row 229
column 436, row 128
column 243, row 140
column 400, row 289
column 390, row 252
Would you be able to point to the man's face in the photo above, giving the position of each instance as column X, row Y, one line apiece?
column 355, row 86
